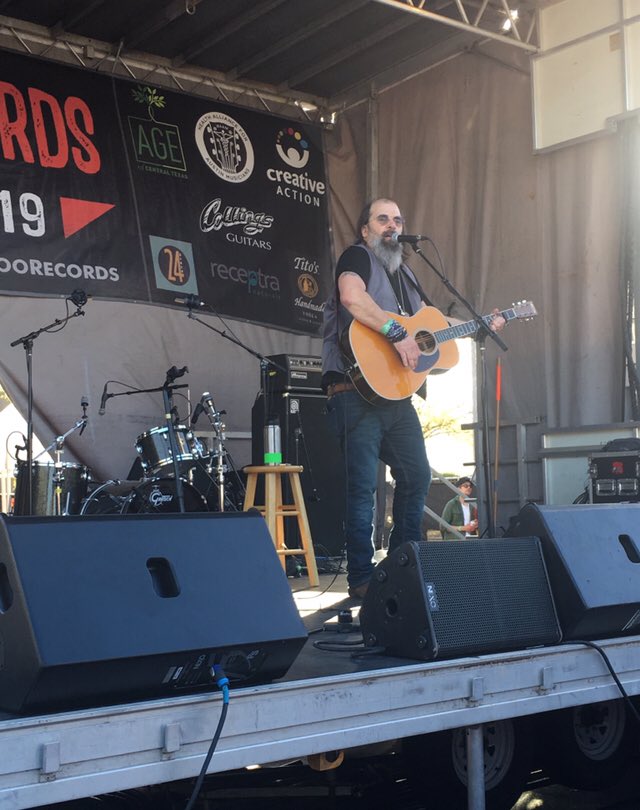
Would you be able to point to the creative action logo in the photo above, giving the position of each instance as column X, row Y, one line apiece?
column 292, row 148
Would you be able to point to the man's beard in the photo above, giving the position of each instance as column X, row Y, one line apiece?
column 389, row 253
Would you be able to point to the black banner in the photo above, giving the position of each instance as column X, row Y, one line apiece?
column 138, row 193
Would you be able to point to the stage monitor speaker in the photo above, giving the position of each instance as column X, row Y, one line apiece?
column 112, row 608
column 307, row 440
column 443, row 599
column 593, row 556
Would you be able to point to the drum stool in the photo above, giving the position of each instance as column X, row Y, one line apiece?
column 274, row 511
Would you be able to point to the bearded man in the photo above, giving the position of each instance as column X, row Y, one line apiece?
column 371, row 281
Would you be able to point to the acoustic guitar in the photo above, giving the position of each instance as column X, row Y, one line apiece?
column 375, row 368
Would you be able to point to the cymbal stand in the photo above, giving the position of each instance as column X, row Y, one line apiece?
column 58, row 444
column 215, row 418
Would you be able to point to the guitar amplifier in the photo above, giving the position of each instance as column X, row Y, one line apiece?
column 294, row 372
column 614, row 477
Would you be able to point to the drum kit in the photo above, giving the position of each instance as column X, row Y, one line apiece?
column 193, row 479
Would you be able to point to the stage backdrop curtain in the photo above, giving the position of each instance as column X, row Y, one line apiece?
column 456, row 153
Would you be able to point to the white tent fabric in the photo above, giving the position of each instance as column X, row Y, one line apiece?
column 133, row 344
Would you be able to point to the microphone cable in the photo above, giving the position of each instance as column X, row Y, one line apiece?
column 218, row 675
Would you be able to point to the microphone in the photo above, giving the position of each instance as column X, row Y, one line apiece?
column 411, row 239
column 190, row 301
column 78, row 297
column 175, row 372
column 103, row 399
column 196, row 413
column 206, row 402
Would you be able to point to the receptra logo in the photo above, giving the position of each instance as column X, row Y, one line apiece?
column 173, row 265
column 225, row 147
column 156, row 144
column 292, row 148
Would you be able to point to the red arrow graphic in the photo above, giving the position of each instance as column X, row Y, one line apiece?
column 76, row 214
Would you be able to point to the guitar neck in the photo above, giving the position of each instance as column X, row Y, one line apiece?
column 467, row 328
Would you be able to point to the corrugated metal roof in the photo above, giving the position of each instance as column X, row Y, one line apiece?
column 326, row 52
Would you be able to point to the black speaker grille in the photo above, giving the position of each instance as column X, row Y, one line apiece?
column 488, row 594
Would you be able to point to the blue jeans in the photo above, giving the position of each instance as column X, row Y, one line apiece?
column 392, row 433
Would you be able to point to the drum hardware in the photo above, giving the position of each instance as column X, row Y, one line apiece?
column 218, row 450
column 78, row 298
column 167, row 390
column 52, row 489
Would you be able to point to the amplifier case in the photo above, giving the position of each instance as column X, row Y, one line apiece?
column 614, row 477
column 442, row 599
column 104, row 608
column 294, row 372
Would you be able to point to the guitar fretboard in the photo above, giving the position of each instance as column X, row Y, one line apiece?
column 467, row 328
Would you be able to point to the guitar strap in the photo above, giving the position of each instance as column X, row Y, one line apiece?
column 416, row 286
column 414, row 283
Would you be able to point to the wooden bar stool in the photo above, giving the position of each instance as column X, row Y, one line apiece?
column 274, row 511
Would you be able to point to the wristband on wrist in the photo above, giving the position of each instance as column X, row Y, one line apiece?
column 386, row 326
column 396, row 333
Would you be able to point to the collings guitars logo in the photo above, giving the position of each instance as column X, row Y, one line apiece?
column 156, row 144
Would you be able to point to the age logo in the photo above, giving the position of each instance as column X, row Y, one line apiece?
column 156, row 143
column 173, row 265
column 225, row 147
column 292, row 148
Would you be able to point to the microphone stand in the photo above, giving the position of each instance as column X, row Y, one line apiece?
column 27, row 343
column 481, row 335
column 265, row 362
column 167, row 390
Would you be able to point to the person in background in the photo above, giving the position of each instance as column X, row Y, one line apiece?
column 460, row 513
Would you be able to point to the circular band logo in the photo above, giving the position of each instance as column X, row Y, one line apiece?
column 307, row 285
column 225, row 147
column 174, row 265
column 292, row 147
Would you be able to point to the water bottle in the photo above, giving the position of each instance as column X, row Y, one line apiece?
column 272, row 445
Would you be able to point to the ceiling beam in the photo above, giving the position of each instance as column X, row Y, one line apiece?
column 224, row 31
column 171, row 12
column 407, row 7
column 348, row 52
column 36, row 40
column 300, row 35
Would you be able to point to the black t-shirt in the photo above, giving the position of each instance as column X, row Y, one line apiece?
column 356, row 260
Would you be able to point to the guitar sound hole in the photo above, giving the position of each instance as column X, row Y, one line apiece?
column 426, row 342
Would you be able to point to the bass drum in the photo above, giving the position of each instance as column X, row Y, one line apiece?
column 157, row 495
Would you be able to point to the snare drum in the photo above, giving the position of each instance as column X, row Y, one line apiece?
column 50, row 497
column 157, row 495
column 155, row 451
